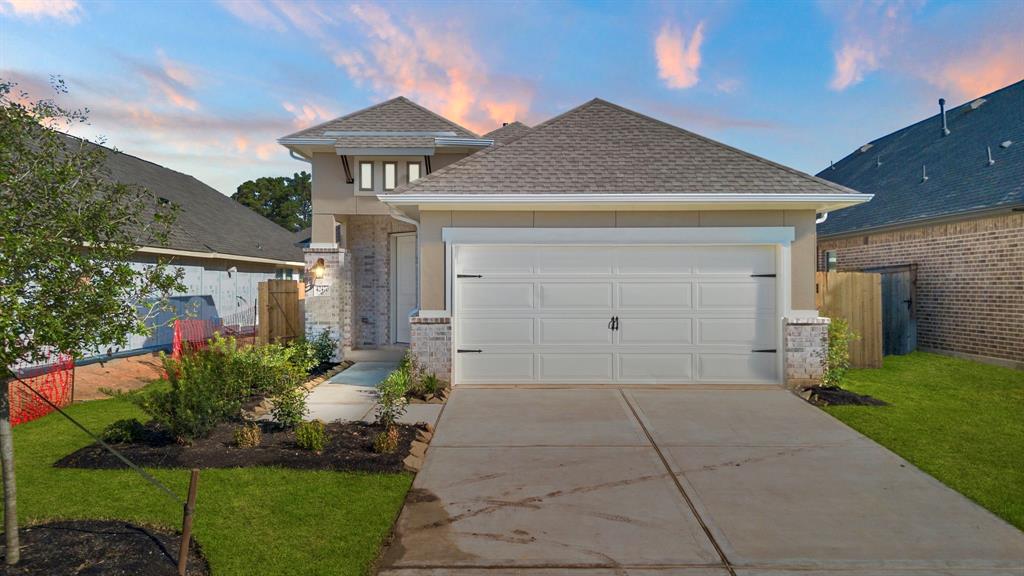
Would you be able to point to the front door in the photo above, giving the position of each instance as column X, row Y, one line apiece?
column 403, row 284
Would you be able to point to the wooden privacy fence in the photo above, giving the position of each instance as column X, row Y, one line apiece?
column 857, row 297
column 280, row 311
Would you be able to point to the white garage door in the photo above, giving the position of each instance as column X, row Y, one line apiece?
column 615, row 314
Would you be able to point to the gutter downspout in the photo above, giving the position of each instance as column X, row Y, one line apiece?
column 401, row 217
column 822, row 219
column 298, row 156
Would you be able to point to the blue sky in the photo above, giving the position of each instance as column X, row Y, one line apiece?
column 206, row 88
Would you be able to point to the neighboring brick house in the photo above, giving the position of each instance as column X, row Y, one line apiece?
column 949, row 200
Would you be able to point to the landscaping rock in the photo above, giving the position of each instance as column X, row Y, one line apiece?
column 418, row 449
column 412, row 463
column 424, row 436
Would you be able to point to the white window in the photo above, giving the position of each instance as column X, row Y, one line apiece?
column 366, row 175
column 831, row 261
column 390, row 175
column 412, row 173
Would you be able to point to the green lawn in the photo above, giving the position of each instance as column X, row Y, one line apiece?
column 248, row 521
column 960, row 421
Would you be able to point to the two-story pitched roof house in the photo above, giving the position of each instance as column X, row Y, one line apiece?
column 949, row 203
column 601, row 246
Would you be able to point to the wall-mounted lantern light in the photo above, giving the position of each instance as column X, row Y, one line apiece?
column 318, row 268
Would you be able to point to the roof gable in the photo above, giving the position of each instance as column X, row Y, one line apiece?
column 396, row 115
column 959, row 177
column 602, row 148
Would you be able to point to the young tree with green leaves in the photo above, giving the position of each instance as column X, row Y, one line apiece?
column 280, row 199
column 67, row 237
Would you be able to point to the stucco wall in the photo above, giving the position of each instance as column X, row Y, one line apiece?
column 432, row 273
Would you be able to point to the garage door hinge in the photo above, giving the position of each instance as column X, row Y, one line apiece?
column 462, row 350
column 766, row 350
column 762, row 275
column 469, row 276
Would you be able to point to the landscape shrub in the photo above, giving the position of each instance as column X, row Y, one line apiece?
column 311, row 436
column 248, row 435
column 289, row 406
column 324, row 347
column 840, row 335
column 123, row 431
column 431, row 384
column 391, row 405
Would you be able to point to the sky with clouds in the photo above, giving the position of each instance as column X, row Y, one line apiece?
column 207, row 87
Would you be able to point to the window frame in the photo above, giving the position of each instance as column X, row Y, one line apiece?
column 362, row 185
column 831, row 260
column 384, row 175
column 419, row 166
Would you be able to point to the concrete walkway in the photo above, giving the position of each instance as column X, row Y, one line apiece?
column 352, row 395
column 689, row 482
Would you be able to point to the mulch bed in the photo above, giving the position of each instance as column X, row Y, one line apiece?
column 101, row 547
column 836, row 396
column 349, row 447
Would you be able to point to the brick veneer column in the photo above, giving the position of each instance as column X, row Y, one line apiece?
column 329, row 298
column 430, row 344
column 806, row 349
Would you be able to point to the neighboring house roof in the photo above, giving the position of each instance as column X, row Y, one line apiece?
column 507, row 132
column 207, row 221
column 959, row 176
column 303, row 237
column 602, row 148
column 396, row 115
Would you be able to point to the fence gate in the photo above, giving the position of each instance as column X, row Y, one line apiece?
column 899, row 308
column 857, row 297
column 280, row 311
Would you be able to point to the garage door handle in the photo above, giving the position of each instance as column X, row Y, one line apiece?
column 762, row 275
column 463, row 350
column 469, row 275
column 766, row 350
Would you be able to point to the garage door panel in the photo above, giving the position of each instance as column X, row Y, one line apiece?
column 660, row 368
column 497, row 260
column 755, row 332
column 736, row 367
column 555, row 367
column 575, row 295
column 755, row 295
column 574, row 331
column 743, row 262
column 495, row 368
column 655, row 331
column 654, row 260
column 655, row 295
column 566, row 260
column 496, row 331
column 489, row 296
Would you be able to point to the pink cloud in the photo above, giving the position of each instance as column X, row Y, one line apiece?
column 853, row 61
column 979, row 72
column 678, row 60
column 435, row 65
column 255, row 14
column 67, row 10
column 307, row 114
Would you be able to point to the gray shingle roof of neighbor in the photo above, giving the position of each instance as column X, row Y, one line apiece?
column 396, row 115
column 507, row 132
column 207, row 221
column 960, row 178
column 600, row 147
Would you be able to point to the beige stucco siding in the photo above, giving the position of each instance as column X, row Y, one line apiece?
column 432, row 273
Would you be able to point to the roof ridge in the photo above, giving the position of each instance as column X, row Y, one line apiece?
column 794, row 171
column 343, row 117
column 438, row 116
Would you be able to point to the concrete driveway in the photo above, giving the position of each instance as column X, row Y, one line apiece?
column 690, row 482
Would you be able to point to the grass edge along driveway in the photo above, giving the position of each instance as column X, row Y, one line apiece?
column 248, row 520
column 960, row 421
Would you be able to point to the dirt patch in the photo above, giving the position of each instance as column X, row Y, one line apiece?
column 836, row 396
column 349, row 447
column 101, row 547
column 124, row 374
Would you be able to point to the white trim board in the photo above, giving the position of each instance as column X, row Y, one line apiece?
column 820, row 202
column 608, row 236
column 218, row 256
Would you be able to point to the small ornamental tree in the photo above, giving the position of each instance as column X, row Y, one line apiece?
column 67, row 236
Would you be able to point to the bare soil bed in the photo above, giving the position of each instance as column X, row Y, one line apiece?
column 349, row 447
column 836, row 396
column 101, row 547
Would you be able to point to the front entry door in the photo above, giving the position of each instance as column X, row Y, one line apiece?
column 403, row 283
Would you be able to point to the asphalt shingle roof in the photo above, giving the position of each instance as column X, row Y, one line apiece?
column 960, row 179
column 600, row 147
column 396, row 115
column 207, row 221
column 507, row 132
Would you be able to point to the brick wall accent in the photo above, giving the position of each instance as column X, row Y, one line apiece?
column 431, row 345
column 806, row 349
column 329, row 298
column 369, row 241
column 970, row 280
